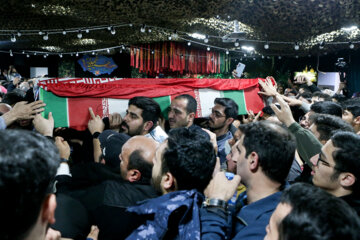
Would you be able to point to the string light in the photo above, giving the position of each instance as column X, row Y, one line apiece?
column 113, row 31
column 322, row 44
column 64, row 32
column 60, row 55
column 189, row 43
column 351, row 45
column 208, row 48
column 13, row 38
column 236, row 44
column 227, row 52
column 46, row 36
column 79, row 35
column 206, row 39
column 296, row 46
column 142, row 29
column 19, row 34
column 11, row 53
column 108, row 50
column 266, row 45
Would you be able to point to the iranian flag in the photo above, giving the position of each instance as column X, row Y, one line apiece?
column 70, row 99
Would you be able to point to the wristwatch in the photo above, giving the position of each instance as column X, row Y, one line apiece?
column 96, row 135
column 213, row 202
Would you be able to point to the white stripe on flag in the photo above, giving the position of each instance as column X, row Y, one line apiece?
column 118, row 106
column 207, row 97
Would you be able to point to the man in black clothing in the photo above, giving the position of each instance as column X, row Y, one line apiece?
column 106, row 202
column 337, row 168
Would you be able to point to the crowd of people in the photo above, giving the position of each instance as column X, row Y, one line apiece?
column 290, row 171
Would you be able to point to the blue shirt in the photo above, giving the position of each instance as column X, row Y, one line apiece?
column 248, row 224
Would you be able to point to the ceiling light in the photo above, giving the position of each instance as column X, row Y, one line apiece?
column 296, row 46
column 248, row 48
column 197, row 36
column 206, row 40
column 46, row 36
column 348, row 29
column 13, row 38
column 79, row 35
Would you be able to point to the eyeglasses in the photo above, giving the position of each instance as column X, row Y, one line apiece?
column 216, row 113
column 325, row 163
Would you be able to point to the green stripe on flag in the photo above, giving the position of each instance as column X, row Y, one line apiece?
column 239, row 98
column 164, row 103
column 56, row 105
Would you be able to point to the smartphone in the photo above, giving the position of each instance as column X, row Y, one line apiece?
column 240, row 69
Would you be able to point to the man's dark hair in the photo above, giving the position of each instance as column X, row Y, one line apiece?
column 306, row 95
column 191, row 103
column 317, row 215
column 327, row 107
column 267, row 110
column 353, row 107
column 14, row 97
column 339, row 98
column 275, row 146
column 231, row 108
column 327, row 125
column 190, row 158
column 346, row 156
column 137, row 161
column 319, row 94
column 28, row 164
column 150, row 109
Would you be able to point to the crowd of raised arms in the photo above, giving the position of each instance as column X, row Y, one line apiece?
column 289, row 172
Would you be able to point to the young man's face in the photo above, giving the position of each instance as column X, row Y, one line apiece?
column 217, row 119
column 323, row 169
column 178, row 116
column 348, row 117
column 272, row 229
column 133, row 123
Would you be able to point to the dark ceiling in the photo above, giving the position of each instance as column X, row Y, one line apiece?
column 281, row 23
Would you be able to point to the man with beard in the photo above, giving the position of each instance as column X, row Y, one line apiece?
column 222, row 115
column 142, row 118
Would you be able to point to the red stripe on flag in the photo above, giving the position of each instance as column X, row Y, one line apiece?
column 252, row 99
column 78, row 110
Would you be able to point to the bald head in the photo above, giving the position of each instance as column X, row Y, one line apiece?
column 136, row 158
